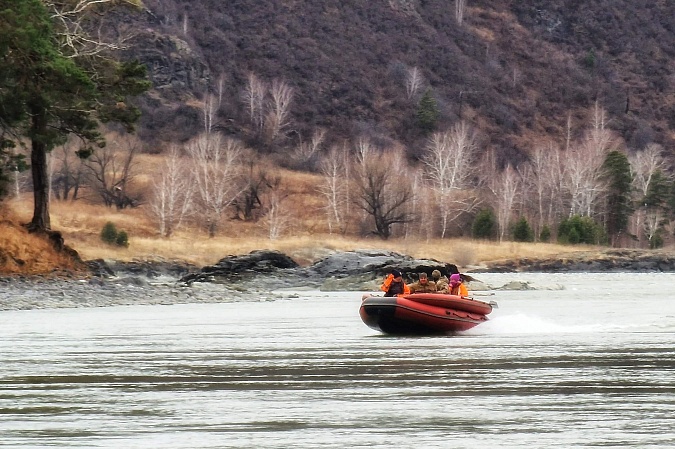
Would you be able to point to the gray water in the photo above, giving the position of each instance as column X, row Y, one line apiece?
column 586, row 367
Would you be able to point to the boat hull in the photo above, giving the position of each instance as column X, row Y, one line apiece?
column 402, row 315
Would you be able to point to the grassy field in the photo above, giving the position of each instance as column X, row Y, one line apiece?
column 81, row 225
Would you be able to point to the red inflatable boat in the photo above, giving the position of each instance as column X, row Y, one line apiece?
column 423, row 313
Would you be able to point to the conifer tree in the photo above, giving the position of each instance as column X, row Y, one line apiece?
column 47, row 93
column 427, row 112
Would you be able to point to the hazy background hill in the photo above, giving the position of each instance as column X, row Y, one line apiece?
column 515, row 69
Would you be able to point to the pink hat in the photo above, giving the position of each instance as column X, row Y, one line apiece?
column 455, row 278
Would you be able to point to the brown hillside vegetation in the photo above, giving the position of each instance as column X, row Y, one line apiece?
column 81, row 225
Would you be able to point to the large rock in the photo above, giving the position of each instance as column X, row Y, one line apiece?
column 378, row 264
column 238, row 268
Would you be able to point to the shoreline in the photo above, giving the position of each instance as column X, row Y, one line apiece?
column 268, row 276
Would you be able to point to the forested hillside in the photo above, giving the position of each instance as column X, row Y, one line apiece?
column 531, row 121
column 515, row 70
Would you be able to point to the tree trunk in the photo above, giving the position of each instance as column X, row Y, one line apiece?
column 38, row 162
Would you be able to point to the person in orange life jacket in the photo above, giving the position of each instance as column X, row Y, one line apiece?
column 393, row 285
column 456, row 285
column 423, row 285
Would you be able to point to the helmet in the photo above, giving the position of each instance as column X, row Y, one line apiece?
column 456, row 278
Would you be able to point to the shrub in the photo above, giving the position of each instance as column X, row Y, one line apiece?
column 109, row 233
column 122, row 239
column 484, row 225
column 111, row 236
column 522, row 232
column 577, row 229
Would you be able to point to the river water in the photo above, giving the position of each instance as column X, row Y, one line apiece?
column 589, row 366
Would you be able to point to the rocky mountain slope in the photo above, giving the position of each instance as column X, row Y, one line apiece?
column 516, row 70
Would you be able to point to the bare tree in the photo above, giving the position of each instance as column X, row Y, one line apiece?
column 214, row 164
column 334, row 187
column 72, row 17
column 68, row 171
column 171, row 202
column 583, row 166
column 254, row 97
column 112, row 169
column 278, row 115
column 306, row 153
column 209, row 111
column 277, row 218
column 413, row 82
column 383, row 190
column 449, row 167
column 544, row 183
column 644, row 166
column 506, row 189
column 256, row 182
column 460, row 10
column 220, row 89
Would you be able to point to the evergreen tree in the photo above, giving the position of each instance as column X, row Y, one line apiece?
column 577, row 229
column 522, row 232
column 484, row 225
column 427, row 112
column 617, row 174
column 47, row 94
column 545, row 234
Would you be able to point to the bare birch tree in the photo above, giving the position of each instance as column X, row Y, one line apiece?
column 279, row 110
column 172, row 188
column 644, row 166
column 214, row 164
column 506, row 190
column 544, row 183
column 254, row 97
column 413, row 82
column 334, row 187
column 306, row 153
column 460, row 10
column 583, row 166
column 277, row 219
column 449, row 167
column 209, row 112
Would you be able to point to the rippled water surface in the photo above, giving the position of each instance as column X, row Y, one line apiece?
column 589, row 366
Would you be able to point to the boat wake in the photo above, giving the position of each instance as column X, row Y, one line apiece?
column 519, row 324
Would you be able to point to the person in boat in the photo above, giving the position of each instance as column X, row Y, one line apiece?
column 457, row 287
column 393, row 285
column 441, row 282
column 423, row 285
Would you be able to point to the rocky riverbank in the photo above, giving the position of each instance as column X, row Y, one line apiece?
column 270, row 275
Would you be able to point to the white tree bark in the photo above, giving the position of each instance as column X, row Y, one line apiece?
column 171, row 202
column 449, row 167
column 254, row 97
column 460, row 10
column 278, row 116
column 334, row 187
column 214, row 165
column 413, row 82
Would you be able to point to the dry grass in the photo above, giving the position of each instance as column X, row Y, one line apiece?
column 81, row 224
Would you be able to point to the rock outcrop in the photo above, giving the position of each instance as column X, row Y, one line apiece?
column 597, row 262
